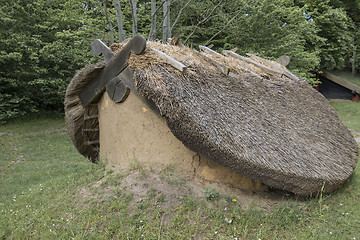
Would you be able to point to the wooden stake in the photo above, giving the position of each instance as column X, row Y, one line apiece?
column 92, row 142
column 224, row 69
column 234, row 55
column 176, row 64
column 208, row 50
column 210, row 46
column 277, row 67
column 175, row 41
column 251, row 72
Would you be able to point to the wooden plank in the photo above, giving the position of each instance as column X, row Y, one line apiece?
column 208, row 50
column 265, row 68
column 92, row 142
column 224, row 69
column 99, row 48
column 251, row 72
column 117, row 64
column 341, row 81
column 86, row 117
column 272, row 65
column 275, row 66
column 235, row 49
column 175, row 41
column 176, row 64
column 283, row 60
column 117, row 90
column 90, row 129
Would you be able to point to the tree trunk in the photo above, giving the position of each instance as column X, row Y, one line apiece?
column 134, row 16
column 353, row 64
column 119, row 20
column 152, row 34
column 108, row 20
column 166, row 23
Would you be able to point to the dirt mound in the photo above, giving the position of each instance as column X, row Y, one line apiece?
column 168, row 190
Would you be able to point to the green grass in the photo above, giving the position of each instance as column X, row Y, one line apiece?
column 349, row 113
column 49, row 191
column 355, row 79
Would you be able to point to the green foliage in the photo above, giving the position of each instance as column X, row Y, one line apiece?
column 43, row 43
column 334, row 27
column 211, row 194
column 314, row 34
column 279, row 28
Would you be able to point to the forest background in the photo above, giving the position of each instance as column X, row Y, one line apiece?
column 44, row 42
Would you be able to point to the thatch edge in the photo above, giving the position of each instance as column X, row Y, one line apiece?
column 76, row 116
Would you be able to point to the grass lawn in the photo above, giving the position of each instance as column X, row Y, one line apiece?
column 49, row 191
column 349, row 113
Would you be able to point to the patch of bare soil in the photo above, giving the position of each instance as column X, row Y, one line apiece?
column 139, row 183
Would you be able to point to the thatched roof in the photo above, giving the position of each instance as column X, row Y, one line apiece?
column 82, row 123
column 276, row 130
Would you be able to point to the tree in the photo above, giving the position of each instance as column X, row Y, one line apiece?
column 41, row 46
column 152, row 33
column 166, row 21
column 334, row 27
column 108, row 20
column 197, row 21
column 207, row 16
column 352, row 9
column 43, row 43
column 133, row 8
column 119, row 19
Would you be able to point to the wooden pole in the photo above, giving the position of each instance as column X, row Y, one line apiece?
column 262, row 66
column 208, row 50
column 275, row 66
column 224, row 69
column 176, row 64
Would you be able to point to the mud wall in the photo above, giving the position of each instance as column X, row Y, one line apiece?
column 131, row 133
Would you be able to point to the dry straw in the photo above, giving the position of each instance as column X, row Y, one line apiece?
column 275, row 130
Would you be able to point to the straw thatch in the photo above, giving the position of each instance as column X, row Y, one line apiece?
column 276, row 130
column 82, row 123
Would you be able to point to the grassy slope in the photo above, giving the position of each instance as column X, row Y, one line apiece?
column 42, row 186
column 349, row 113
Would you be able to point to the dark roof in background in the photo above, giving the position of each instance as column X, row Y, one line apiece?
column 341, row 81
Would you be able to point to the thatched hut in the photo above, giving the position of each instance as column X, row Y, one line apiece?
column 248, row 115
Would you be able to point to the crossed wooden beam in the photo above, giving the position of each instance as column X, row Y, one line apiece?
column 117, row 77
